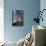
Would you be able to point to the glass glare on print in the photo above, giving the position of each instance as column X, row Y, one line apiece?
column 17, row 17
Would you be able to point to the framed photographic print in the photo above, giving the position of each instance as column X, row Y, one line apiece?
column 17, row 17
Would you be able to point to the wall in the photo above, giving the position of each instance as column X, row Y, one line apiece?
column 30, row 7
column 1, row 21
column 43, row 6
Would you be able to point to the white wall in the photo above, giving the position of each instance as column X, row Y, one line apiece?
column 1, row 20
column 43, row 6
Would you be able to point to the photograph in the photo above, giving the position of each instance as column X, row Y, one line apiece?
column 17, row 17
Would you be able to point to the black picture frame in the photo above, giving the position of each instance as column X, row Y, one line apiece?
column 17, row 17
